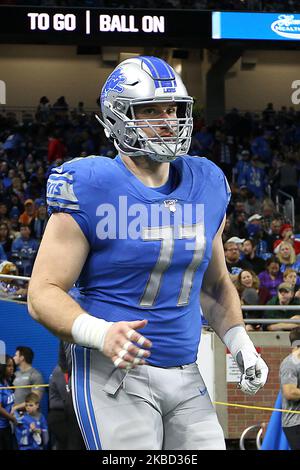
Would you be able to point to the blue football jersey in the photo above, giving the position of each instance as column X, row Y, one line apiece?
column 26, row 439
column 148, row 250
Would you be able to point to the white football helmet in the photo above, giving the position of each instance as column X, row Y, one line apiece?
column 141, row 81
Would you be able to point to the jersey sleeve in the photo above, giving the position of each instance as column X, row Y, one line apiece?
column 67, row 191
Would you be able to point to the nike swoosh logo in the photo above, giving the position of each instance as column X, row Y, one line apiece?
column 203, row 391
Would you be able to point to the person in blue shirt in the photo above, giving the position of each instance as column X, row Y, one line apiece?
column 255, row 178
column 23, row 250
column 31, row 430
column 3, row 256
column 141, row 235
column 6, row 404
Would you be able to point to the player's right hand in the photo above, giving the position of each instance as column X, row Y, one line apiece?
column 254, row 370
column 119, row 344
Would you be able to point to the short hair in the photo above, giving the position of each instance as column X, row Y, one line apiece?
column 289, row 271
column 295, row 336
column 252, row 241
column 26, row 352
column 272, row 259
column 32, row 397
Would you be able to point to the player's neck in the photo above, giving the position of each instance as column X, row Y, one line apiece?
column 151, row 173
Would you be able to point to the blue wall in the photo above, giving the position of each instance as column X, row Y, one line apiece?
column 17, row 328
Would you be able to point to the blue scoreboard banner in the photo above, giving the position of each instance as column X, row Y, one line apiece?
column 256, row 26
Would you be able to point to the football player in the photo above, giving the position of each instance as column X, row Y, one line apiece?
column 141, row 235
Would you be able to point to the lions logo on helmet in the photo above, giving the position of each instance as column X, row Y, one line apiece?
column 146, row 81
column 113, row 83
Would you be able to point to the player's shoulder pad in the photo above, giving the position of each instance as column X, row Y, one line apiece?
column 204, row 165
column 212, row 173
column 71, row 181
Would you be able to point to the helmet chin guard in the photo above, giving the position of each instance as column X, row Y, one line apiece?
column 146, row 81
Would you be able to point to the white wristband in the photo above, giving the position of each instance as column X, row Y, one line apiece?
column 237, row 338
column 89, row 331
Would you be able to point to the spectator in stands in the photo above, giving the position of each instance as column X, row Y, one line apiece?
column 29, row 213
column 271, row 277
column 233, row 262
column 247, row 279
column 287, row 235
column 24, row 250
column 267, row 211
column 4, row 217
column 203, row 142
column 31, row 429
column 6, row 404
column 11, row 288
column 256, row 179
column 16, row 189
column 238, row 226
column 290, row 276
column 60, row 108
column 274, row 233
column 252, row 204
column 241, row 168
column 226, row 232
column 239, row 242
column 37, row 184
column 256, row 232
column 43, row 110
column 249, row 251
column 221, row 154
column 289, row 374
column 30, row 164
column 287, row 257
column 289, row 176
column 14, row 222
column 6, row 238
column 284, row 297
column 3, row 256
column 260, row 147
column 38, row 224
column 56, row 148
column 25, row 375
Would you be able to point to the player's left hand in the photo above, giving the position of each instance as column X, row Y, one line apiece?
column 254, row 370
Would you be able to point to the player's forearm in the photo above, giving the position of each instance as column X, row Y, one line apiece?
column 54, row 308
column 221, row 306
